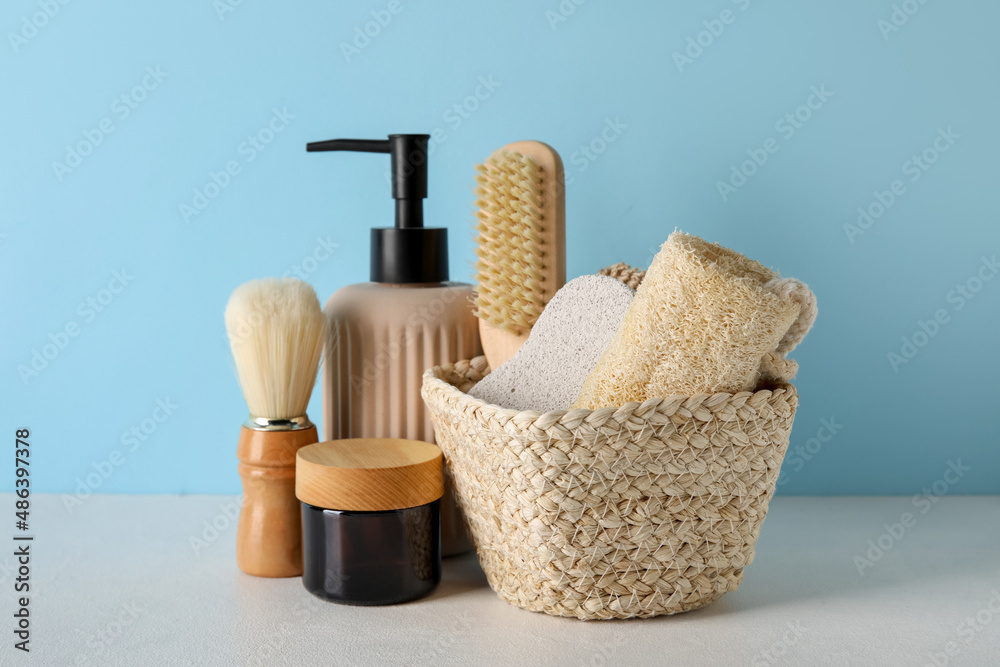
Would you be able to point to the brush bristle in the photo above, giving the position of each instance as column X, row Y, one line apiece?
column 509, row 246
column 277, row 331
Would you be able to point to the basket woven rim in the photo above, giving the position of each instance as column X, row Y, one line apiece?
column 668, row 404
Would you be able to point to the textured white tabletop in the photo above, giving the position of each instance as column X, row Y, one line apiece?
column 118, row 580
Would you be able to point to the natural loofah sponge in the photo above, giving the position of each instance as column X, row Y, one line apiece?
column 548, row 371
column 702, row 321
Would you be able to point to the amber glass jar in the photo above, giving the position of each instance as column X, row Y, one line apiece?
column 371, row 558
column 371, row 519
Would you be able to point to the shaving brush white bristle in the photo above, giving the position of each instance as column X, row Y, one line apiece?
column 277, row 331
column 509, row 244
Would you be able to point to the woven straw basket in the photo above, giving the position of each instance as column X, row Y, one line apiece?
column 643, row 510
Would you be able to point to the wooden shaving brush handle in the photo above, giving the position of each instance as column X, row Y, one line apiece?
column 269, row 536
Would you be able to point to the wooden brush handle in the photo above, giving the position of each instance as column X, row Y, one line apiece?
column 499, row 345
column 269, row 536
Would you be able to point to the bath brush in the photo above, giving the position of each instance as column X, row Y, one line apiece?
column 520, row 243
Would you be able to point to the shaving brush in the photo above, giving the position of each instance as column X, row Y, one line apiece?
column 276, row 331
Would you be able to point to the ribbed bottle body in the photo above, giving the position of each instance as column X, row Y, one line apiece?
column 382, row 339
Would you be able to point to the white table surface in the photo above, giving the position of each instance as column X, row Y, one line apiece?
column 117, row 581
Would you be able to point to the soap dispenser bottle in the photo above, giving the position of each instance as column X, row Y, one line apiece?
column 385, row 333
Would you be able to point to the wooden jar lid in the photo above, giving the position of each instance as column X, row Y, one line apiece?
column 369, row 474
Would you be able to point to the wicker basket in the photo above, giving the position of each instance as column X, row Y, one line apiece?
column 643, row 510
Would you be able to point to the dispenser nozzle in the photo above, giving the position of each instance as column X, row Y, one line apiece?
column 356, row 145
column 409, row 170
column 408, row 253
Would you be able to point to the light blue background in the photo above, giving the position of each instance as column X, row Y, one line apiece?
column 559, row 81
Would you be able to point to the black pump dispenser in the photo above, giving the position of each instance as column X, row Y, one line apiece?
column 408, row 252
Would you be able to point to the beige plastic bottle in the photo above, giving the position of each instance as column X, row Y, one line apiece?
column 382, row 339
column 385, row 333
